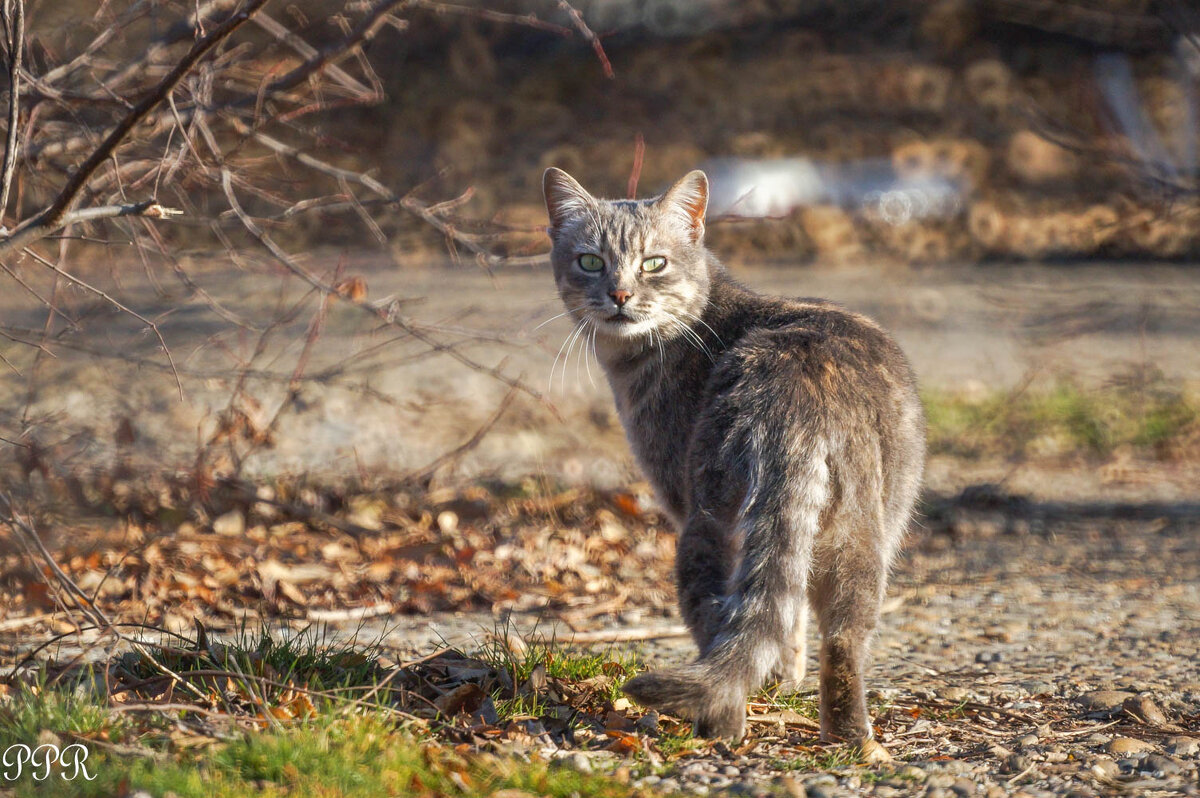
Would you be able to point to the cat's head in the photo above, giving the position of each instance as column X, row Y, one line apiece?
column 630, row 267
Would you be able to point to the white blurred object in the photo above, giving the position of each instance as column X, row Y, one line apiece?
column 777, row 186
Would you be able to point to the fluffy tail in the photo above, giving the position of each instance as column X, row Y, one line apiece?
column 777, row 525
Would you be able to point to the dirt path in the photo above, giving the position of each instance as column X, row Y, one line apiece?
column 376, row 403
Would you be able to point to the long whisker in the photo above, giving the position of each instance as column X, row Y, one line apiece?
column 566, row 360
column 559, row 316
column 590, row 344
column 696, row 318
column 550, row 384
column 690, row 336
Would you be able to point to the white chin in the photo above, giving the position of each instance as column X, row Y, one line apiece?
column 628, row 329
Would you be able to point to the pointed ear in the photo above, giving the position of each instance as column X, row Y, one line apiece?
column 689, row 199
column 564, row 197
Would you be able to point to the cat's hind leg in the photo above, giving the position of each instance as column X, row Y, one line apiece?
column 847, row 596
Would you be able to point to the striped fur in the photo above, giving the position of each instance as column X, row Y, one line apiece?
column 783, row 437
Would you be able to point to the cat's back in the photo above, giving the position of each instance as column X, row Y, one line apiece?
column 814, row 345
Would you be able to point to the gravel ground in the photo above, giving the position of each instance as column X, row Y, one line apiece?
column 1058, row 658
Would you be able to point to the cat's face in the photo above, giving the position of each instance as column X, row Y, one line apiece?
column 630, row 269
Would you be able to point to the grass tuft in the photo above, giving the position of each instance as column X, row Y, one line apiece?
column 1147, row 417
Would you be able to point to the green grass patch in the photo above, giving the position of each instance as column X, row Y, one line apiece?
column 332, row 756
column 532, row 658
column 1147, row 417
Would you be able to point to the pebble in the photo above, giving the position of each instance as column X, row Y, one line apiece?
column 1109, row 702
column 1182, row 746
column 730, row 770
column 1124, row 746
column 793, row 788
column 954, row 694
column 940, row 780
column 231, row 524
column 1145, row 710
column 1157, row 763
column 963, row 787
column 648, row 723
column 912, row 773
column 1017, row 764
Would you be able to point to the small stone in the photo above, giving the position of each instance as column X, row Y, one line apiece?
column 940, row 780
column 447, row 521
column 648, row 723
column 231, row 524
column 731, row 771
column 580, row 762
column 1037, row 687
column 1026, row 740
column 1145, row 710
column 1157, row 763
column 912, row 773
column 1016, row 764
column 1124, row 746
column 954, row 694
column 938, row 792
column 963, row 787
column 1106, row 768
column 1109, row 702
column 793, row 788
column 1182, row 746
column 884, row 791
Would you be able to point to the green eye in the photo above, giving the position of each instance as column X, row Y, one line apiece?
column 591, row 263
column 653, row 264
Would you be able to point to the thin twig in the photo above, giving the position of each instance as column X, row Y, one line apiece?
column 14, row 21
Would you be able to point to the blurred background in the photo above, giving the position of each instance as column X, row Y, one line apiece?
column 356, row 290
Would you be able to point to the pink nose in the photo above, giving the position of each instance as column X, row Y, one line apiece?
column 620, row 296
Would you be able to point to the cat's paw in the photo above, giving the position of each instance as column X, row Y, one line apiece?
column 726, row 725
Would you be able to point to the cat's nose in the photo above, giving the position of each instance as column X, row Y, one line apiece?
column 620, row 296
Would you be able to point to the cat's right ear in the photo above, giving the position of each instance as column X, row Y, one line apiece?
column 565, row 198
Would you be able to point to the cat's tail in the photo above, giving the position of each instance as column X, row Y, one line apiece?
column 779, row 520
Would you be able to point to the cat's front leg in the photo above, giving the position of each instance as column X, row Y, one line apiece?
column 793, row 660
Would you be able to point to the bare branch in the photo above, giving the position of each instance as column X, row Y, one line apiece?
column 14, row 23
column 53, row 215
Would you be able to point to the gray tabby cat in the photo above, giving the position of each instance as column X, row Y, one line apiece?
column 783, row 437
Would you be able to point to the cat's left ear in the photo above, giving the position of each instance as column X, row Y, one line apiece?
column 565, row 198
column 689, row 199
